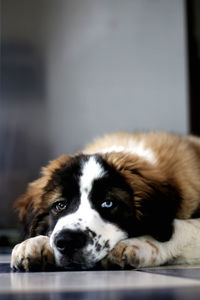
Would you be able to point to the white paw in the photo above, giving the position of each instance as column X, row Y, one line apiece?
column 136, row 253
column 33, row 254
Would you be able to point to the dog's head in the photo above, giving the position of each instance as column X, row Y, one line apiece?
column 88, row 203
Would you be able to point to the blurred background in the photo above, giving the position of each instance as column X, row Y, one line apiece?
column 72, row 70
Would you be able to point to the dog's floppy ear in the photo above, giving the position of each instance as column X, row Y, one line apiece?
column 29, row 210
column 156, row 199
column 32, row 211
column 157, row 209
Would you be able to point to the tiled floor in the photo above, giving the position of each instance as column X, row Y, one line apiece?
column 177, row 283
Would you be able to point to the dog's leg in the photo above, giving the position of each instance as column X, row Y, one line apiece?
column 182, row 248
column 33, row 254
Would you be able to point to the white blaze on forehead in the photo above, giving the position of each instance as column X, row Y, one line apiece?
column 91, row 170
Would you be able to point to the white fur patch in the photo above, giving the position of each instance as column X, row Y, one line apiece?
column 137, row 148
column 91, row 170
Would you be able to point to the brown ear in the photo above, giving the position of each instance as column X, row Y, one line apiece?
column 32, row 211
column 158, row 209
column 28, row 205
column 156, row 199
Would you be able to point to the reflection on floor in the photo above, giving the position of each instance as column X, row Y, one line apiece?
column 177, row 282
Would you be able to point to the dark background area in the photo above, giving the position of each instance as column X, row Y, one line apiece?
column 193, row 40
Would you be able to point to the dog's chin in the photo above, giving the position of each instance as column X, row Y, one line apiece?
column 67, row 263
column 73, row 265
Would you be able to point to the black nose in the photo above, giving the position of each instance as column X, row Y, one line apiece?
column 69, row 240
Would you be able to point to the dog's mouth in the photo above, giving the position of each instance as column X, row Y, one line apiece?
column 74, row 263
column 79, row 260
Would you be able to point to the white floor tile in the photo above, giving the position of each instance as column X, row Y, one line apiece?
column 87, row 280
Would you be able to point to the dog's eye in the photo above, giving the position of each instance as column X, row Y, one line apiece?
column 107, row 204
column 60, row 206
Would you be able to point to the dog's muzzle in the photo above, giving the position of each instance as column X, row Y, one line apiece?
column 71, row 249
column 76, row 248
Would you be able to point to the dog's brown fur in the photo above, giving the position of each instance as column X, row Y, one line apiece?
column 178, row 165
column 178, row 160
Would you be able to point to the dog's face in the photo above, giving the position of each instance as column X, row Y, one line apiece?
column 92, row 199
column 88, row 203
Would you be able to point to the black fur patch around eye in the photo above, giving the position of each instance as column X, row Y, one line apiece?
column 67, row 179
column 113, row 187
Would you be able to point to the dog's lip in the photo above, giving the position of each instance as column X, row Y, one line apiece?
column 72, row 264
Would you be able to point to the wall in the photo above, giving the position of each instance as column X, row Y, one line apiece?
column 73, row 70
column 115, row 65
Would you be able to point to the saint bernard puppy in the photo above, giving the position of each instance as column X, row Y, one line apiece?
column 126, row 201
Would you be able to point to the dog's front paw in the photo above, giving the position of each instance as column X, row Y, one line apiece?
column 133, row 253
column 34, row 254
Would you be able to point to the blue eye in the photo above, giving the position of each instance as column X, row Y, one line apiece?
column 107, row 204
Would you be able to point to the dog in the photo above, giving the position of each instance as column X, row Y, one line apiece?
column 128, row 200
